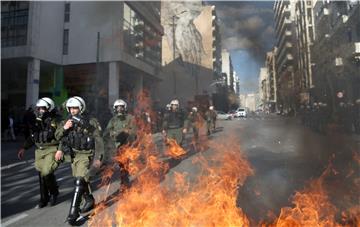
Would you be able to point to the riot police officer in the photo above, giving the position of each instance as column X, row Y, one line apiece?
column 80, row 137
column 42, row 134
column 174, row 124
column 120, row 130
column 194, row 120
column 211, row 120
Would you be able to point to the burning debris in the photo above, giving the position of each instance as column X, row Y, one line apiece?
column 160, row 196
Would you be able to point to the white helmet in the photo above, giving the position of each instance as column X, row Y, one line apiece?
column 76, row 101
column 211, row 107
column 174, row 102
column 119, row 102
column 194, row 109
column 46, row 102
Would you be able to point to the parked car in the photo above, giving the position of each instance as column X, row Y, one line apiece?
column 223, row 116
column 232, row 113
column 241, row 112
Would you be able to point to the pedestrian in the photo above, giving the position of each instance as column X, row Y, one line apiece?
column 10, row 131
column 120, row 130
column 174, row 123
column 42, row 135
column 80, row 140
column 211, row 120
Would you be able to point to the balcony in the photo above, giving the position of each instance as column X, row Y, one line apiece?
column 324, row 12
column 285, row 26
column 285, row 37
column 286, row 62
column 356, row 51
column 280, row 18
column 285, row 49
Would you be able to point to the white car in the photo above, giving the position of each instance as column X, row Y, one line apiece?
column 223, row 116
column 241, row 112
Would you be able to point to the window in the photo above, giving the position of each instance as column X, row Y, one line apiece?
column 14, row 18
column 66, row 42
column 140, row 38
column 67, row 12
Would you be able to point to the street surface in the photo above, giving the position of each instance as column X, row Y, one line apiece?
column 284, row 154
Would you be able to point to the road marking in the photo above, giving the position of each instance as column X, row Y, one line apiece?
column 17, row 218
column 16, row 164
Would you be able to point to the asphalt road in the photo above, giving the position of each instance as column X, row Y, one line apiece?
column 284, row 155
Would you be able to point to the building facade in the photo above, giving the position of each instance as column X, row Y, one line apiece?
column 305, row 33
column 288, row 83
column 73, row 48
column 264, row 88
column 191, row 52
column 272, row 77
column 336, row 53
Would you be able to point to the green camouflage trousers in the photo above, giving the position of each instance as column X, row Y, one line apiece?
column 45, row 161
column 176, row 134
column 80, row 164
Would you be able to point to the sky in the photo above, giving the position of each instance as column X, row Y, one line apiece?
column 247, row 31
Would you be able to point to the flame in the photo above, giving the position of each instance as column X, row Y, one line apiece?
column 312, row 207
column 174, row 150
column 161, row 196
column 208, row 201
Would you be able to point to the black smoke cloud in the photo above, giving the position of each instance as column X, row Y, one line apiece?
column 247, row 26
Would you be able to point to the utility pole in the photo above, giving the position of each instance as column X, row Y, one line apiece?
column 97, row 79
column 174, row 43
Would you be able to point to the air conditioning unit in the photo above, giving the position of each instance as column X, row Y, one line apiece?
column 326, row 11
column 356, row 53
column 344, row 18
column 357, row 48
column 339, row 62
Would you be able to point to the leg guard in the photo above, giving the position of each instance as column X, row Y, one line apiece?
column 76, row 200
column 89, row 199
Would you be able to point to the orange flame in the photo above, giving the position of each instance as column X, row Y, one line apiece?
column 174, row 150
column 158, row 200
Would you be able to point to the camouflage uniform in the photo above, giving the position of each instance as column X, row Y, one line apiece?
column 43, row 136
column 210, row 121
column 120, row 130
column 173, row 124
column 194, row 121
column 81, row 144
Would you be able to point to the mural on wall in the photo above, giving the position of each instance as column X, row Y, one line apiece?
column 188, row 40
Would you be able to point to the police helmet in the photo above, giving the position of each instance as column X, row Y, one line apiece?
column 76, row 101
column 46, row 102
column 120, row 102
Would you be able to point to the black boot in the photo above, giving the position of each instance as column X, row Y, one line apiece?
column 52, row 187
column 89, row 199
column 44, row 195
column 76, row 200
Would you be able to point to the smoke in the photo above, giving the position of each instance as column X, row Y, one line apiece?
column 247, row 26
